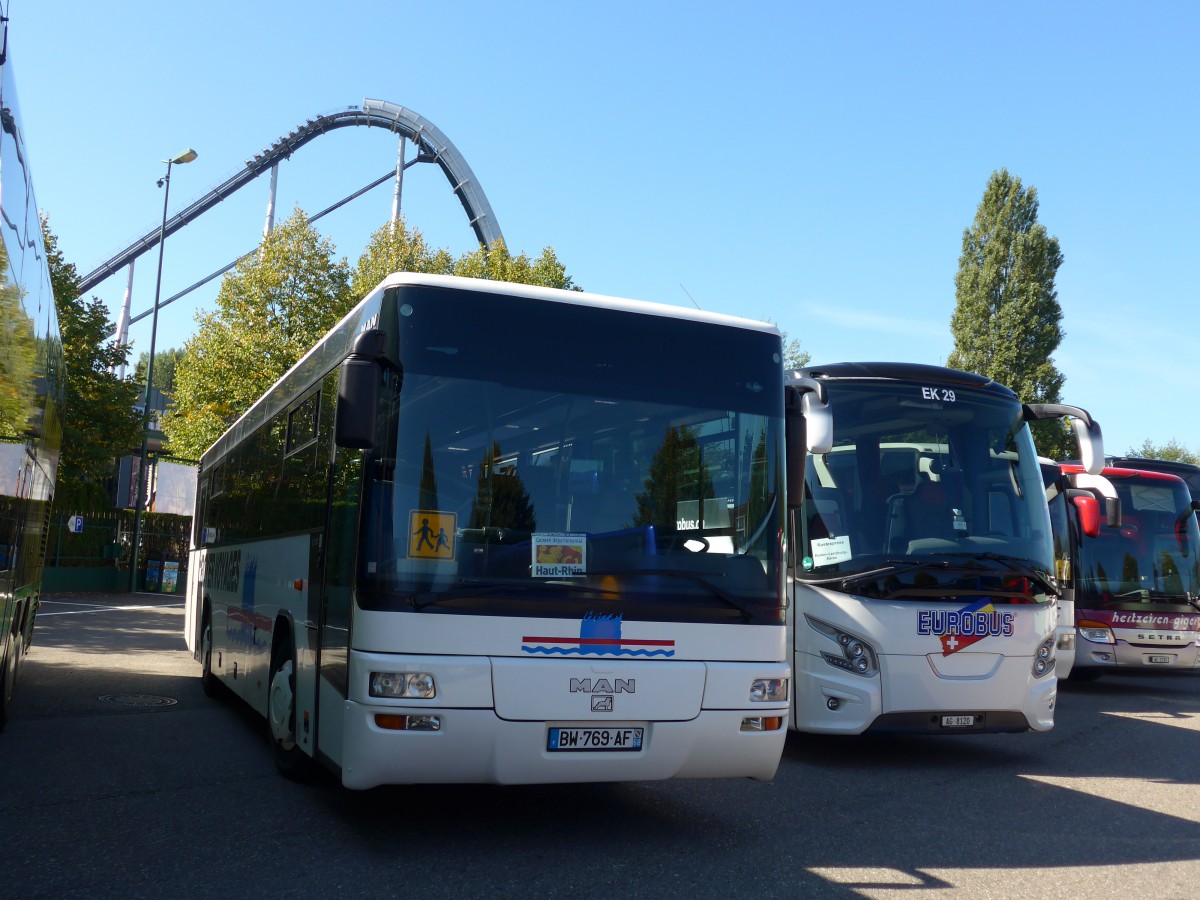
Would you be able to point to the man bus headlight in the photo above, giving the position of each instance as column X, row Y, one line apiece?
column 403, row 685
column 769, row 690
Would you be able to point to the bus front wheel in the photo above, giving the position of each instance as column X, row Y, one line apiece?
column 208, row 681
column 281, row 716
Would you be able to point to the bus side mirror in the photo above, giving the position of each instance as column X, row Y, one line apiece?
column 1089, row 514
column 358, row 392
column 1088, row 437
column 808, row 428
column 1091, row 444
column 357, row 401
column 1112, row 512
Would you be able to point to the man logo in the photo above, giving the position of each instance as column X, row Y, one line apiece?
column 602, row 703
column 604, row 686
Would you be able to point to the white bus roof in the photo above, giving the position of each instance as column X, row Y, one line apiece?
column 582, row 298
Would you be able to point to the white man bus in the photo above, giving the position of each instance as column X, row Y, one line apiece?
column 486, row 532
column 923, row 578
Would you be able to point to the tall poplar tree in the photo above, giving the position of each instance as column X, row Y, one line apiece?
column 1007, row 322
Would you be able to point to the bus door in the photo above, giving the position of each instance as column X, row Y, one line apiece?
column 333, row 579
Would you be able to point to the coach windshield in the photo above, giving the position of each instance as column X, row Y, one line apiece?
column 928, row 492
column 559, row 459
column 1151, row 561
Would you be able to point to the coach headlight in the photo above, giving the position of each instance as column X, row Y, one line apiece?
column 1097, row 632
column 1043, row 660
column 855, row 655
column 403, row 685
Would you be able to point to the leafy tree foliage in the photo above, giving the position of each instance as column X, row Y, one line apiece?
column 399, row 248
column 498, row 264
column 270, row 310
column 276, row 304
column 102, row 418
column 396, row 248
column 793, row 356
column 1171, row 450
column 18, row 360
column 1007, row 321
column 165, row 364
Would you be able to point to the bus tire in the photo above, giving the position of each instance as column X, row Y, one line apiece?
column 281, row 714
column 208, row 681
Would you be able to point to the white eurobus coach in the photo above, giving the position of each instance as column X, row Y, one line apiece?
column 486, row 532
column 923, row 570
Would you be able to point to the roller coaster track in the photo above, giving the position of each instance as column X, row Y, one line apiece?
column 432, row 146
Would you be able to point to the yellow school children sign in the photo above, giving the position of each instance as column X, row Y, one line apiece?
column 431, row 534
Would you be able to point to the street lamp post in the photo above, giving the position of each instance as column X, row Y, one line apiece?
column 165, row 182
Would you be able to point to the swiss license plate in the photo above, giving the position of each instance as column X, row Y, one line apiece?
column 1160, row 660
column 628, row 739
column 958, row 721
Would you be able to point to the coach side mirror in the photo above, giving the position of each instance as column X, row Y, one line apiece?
column 1088, row 438
column 1088, row 509
column 793, row 439
column 808, row 428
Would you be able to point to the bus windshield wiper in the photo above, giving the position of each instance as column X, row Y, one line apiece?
column 890, row 568
column 1021, row 567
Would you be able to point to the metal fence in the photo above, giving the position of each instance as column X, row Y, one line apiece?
column 103, row 539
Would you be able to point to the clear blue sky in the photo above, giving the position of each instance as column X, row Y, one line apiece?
column 812, row 164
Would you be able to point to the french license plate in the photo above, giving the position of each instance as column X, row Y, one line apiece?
column 617, row 739
column 958, row 721
column 1160, row 660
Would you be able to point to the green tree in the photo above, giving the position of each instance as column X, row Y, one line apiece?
column 102, row 413
column 270, row 310
column 793, row 356
column 18, row 360
column 396, row 248
column 498, row 264
column 166, row 362
column 1171, row 450
column 1007, row 321
column 278, row 302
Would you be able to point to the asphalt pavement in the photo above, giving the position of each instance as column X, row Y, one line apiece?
column 120, row 778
